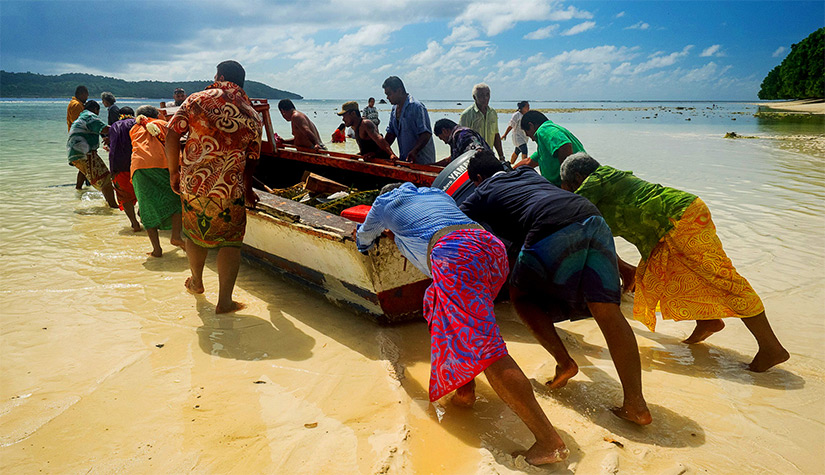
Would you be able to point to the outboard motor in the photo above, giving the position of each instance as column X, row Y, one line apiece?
column 454, row 180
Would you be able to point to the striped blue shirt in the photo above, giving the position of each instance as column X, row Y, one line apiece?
column 413, row 215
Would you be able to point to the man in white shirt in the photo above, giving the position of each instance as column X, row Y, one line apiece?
column 519, row 137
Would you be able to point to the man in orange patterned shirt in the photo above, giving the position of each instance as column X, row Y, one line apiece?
column 214, row 176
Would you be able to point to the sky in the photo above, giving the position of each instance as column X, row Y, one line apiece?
column 333, row 49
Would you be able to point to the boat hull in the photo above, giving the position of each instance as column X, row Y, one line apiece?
column 315, row 249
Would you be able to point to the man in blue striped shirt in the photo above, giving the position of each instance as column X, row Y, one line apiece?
column 468, row 266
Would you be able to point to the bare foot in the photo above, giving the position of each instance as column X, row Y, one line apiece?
column 562, row 375
column 192, row 288
column 236, row 306
column 155, row 253
column 136, row 228
column 639, row 416
column 465, row 396
column 767, row 359
column 704, row 329
column 541, row 455
column 177, row 242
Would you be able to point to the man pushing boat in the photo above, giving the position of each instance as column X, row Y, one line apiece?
column 468, row 266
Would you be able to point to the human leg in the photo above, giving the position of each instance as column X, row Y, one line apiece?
column 541, row 325
column 465, row 396
column 129, row 209
column 109, row 193
column 197, row 258
column 157, row 251
column 176, row 239
column 81, row 179
column 625, row 354
column 513, row 387
column 771, row 352
column 704, row 329
column 229, row 261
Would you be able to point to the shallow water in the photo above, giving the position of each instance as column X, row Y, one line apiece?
column 108, row 365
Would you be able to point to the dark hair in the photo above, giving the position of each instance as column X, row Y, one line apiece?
column 80, row 90
column 108, row 97
column 388, row 188
column 371, row 99
column 286, row 105
column 91, row 105
column 522, row 104
column 442, row 124
column 148, row 111
column 342, row 126
column 179, row 89
column 533, row 117
column 393, row 83
column 232, row 71
column 485, row 164
column 126, row 110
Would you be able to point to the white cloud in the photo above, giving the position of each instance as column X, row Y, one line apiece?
column 657, row 60
column 619, row 15
column 498, row 16
column 461, row 33
column 580, row 28
column 711, row 51
column 542, row 33
column 779, row 51
column 598, row 54
column 638, row 26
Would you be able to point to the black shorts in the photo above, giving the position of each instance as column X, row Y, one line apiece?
column 521, row 148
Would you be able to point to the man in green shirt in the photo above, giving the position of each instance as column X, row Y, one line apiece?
column 84, row 140
column 684, row 272
column 555, row 143
column 482, row 118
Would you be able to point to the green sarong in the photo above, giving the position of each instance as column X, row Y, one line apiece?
column 155, row 197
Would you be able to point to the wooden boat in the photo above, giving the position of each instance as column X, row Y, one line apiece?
column 316, row 248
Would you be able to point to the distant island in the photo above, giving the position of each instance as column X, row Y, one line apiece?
column 40, row 85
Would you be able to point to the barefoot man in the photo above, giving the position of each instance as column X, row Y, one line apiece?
column 215, row 175
column 684, row 269
column 566, row 265
column 468, row 266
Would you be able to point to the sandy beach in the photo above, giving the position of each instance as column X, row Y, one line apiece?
column 806, row 106
column 109, row 366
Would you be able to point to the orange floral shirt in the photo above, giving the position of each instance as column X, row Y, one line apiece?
column 224, row 132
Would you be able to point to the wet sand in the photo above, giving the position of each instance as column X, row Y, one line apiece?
column 108, row 365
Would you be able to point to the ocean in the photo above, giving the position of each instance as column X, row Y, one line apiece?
column 108, row 365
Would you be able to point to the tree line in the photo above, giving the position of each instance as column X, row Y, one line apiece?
column 40, row 85
column 801, row 75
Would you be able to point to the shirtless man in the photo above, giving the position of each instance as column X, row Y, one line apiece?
column 370, row 142
column 304, row 133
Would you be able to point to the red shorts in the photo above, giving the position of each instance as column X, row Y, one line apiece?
column 124, row 191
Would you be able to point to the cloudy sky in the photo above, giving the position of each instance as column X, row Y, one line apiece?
column 531, row 49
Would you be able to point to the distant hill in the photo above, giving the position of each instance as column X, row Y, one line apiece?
column 40, row 85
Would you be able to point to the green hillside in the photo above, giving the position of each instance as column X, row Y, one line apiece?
column 801, row 75
column 39, row 85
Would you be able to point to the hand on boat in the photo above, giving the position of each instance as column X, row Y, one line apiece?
column 251, row 197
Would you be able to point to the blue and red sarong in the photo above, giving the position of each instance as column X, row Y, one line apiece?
column 469, row 266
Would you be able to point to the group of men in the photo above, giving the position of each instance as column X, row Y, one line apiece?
column 559, row 229
column 548, row 235
column 200, row 192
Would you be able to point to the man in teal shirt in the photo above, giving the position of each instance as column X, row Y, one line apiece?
column 84, row 140
column 555, row 143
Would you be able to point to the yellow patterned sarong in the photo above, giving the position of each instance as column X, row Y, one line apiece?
column 689, row 276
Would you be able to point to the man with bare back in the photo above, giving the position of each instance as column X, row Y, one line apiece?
column 304, row 132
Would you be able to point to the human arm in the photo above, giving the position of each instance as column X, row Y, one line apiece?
column 372, row 133
column 367, row 233
column 563, row 152
column 420, row 142
column 172, row 151
column 527, row 162
column 509, row 128
column 497, row 145
column 628, row 274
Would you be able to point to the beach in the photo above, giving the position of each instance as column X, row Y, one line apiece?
column 109, row 365
column 805, row 106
